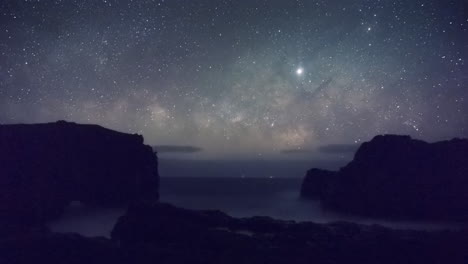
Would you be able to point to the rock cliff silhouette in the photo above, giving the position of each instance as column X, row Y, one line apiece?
column 400, row 177
column 43, row 167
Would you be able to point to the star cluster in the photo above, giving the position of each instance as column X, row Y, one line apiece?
column 239, row 78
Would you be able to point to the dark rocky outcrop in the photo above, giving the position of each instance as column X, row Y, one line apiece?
column 56, row 248
column 399, row 177
column 43, row 167
column 161, row 233
column 317, row 183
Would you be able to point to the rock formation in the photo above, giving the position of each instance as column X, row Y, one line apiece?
column 164, row 233
column 316, row 183
column 399, row 177
column 43, row 167
column 161, row 233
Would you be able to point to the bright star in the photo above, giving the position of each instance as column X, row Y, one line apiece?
column 299, row 71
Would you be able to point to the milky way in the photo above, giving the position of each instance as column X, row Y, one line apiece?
column 239, row 78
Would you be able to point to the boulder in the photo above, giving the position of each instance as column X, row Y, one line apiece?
column 397, row 176
column 43, row 167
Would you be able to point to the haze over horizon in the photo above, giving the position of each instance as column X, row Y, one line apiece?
column 239, row 79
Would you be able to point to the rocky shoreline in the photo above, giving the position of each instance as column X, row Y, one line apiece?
column 162, row 233
column 46, row 166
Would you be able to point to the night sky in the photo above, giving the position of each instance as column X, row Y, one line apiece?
column 239, row 78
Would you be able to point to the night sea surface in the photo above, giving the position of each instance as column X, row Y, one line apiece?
column 258, row 189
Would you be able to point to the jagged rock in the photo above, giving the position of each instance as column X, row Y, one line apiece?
column 43, row 167
column 399, row 177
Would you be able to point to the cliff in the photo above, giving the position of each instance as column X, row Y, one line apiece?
column 43, row 167
column 399, row 177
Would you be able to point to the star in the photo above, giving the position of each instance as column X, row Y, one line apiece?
column 300, row 71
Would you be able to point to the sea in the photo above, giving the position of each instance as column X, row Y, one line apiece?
column 238, row 188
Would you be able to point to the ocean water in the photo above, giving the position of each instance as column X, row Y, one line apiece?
column 243, row 197
column 239, row 197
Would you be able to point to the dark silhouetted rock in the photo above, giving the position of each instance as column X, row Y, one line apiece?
column 317, row 183
column 55, row 248
column 161, row 233
column 43, row 167
column 399, row 177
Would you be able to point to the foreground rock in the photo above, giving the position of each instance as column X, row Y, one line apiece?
column 399, row 177
column 43, row 167
column 161, row 233
column 54, row 248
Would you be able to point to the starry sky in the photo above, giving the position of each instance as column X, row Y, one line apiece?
column 240, row 78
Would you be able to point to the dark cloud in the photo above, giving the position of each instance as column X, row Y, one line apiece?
column 176, row 149
column 339, row 148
